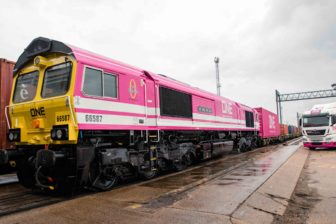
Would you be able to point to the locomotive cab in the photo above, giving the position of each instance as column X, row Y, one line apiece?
column 40, row 109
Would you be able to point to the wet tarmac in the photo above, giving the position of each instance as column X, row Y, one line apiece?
column 208, row 193
column 224, row 194
column 321, row 194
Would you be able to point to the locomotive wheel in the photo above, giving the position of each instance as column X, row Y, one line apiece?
column 190, row 158
column 149, row 174
column 242, row 146
column 181, row 165
column 26, row 174
column 105, row 179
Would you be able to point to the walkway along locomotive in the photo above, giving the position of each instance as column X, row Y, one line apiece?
column 81, row 119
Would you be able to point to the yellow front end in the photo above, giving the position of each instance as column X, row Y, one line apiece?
column 42, row 100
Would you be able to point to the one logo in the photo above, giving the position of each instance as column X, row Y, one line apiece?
column 34, row 112
column 227, row 108
column 271, row 122
column 132, row 89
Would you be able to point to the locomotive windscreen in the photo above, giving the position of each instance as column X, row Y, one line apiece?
column 174, row 103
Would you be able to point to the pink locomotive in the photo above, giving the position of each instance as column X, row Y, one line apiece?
column 81, row 119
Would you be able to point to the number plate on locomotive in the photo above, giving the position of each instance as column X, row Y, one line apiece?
column 62, row 118
column 93, row 118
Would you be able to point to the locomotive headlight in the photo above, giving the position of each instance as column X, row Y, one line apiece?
column 37, row 61
column 14, row 135
column 59, row 132
column 40, row 61
column 11, row 136
column 328, row 139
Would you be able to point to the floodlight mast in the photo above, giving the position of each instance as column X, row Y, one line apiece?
column 218, row 85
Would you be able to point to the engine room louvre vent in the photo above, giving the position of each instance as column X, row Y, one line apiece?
column 38, row 46
column 175, row 103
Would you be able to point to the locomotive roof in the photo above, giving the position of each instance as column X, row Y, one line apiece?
column 43, row 46
column 40, row 46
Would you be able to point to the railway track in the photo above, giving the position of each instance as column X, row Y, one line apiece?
column 15, row 198
column 23, row 200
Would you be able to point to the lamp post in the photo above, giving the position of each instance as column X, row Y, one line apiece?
column 218, row 85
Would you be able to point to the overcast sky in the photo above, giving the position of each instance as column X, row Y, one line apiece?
column 263, row 45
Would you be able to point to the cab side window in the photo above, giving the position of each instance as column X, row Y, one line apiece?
column 98, row 83
column 93, row 84
column 110, row 85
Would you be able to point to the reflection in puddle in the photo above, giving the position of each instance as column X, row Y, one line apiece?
column 255, row 164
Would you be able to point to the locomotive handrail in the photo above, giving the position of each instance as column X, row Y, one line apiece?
column 146, row 103
column 6, row 115
column 37, row 101
column 72, row 115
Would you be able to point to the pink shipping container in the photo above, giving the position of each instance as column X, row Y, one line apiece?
column 269, row 123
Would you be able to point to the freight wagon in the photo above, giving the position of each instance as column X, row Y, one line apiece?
column 6, row 78
column 289, row 131
column 269, row 131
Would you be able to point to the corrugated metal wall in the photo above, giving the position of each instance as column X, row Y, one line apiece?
column 6, row 78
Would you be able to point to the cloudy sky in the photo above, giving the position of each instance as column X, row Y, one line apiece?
column 263, row 45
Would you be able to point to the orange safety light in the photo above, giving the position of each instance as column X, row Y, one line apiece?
column 36, row 123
